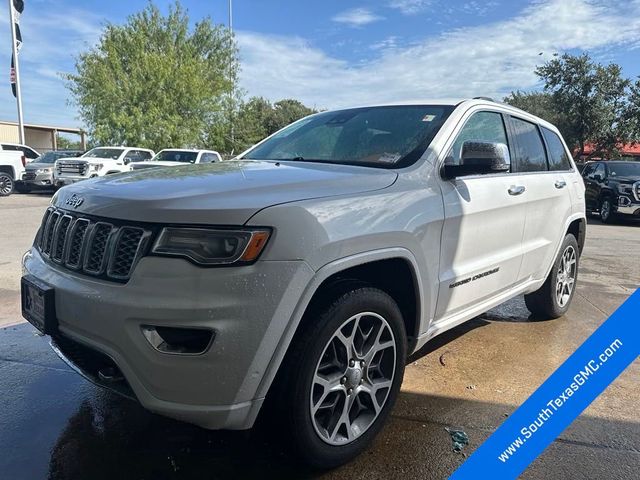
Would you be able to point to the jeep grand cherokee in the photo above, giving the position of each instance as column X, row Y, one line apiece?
column 300, row 276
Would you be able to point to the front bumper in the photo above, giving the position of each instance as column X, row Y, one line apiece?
column 40, row 180
column 248, row 307
column 61, row 181
column 627, row 206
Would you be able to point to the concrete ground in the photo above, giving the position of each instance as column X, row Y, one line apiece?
column 53, row 424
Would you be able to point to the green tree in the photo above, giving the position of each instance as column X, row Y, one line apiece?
column 258, row 118
column 155, row 82
column 594, row 100
column 540, row 104
column 65, row 144
column 287, row 111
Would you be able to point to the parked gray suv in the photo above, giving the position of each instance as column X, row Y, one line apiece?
column 299, row 277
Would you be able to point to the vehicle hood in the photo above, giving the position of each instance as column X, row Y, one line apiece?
column 155, row 163
column 86, row 159
column 225, row 193
column 626, row 180
column 36, row 166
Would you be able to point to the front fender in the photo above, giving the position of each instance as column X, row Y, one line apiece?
column 320, row 276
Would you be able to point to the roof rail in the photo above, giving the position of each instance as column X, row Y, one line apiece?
column 484, row 98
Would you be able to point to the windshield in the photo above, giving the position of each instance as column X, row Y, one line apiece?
column 388, row 137
column 175, row 156
column 631, row 169
column 51, row 157
column 113, row 153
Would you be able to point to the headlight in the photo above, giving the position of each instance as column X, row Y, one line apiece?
column 44, row 170
column 96, row 166
column 622, row 188
column 212, row 247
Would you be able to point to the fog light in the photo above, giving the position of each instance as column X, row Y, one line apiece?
column 178, row 340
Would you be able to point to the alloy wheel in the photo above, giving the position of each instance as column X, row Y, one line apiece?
column 6, row 185
column 605, row 210
column 566, row 277
column 353, row 378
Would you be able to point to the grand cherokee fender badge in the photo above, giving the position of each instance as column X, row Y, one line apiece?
column 74, row 201
column 475, row 277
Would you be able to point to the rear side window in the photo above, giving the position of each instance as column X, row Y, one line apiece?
column 144, row 155
column 530, row 155
column 558, row 157
column 481, row 127
column 208, row 158
column 29, row 153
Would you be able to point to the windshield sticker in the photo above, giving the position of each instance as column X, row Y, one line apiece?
column 389, row 157
column 428, row 118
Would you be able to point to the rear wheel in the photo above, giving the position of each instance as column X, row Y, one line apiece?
column 552, row 300
column 343, row 376
column 6, row 184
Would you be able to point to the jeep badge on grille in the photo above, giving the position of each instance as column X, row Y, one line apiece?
column 74, row 200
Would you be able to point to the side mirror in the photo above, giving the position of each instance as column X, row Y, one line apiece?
column 480, row 158
column 127, row 160
column 597, row 177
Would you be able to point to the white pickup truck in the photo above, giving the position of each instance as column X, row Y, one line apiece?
column 173, row 157
column 11, row 168
column 98, row 162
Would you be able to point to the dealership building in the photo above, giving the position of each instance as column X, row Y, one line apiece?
column 42, row 138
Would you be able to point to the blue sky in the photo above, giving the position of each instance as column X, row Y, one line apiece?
column 334, row 53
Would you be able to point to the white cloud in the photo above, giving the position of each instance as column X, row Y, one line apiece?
column 491, row 59
column 386, row 44
column 479, row 9
column 357, row 17
column 410, row 7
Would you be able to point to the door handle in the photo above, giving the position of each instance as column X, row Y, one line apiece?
column 516, row 189
column 560, row 184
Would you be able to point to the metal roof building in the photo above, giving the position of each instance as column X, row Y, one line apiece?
column 39, row 137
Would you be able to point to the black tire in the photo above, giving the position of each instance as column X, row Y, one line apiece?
column 607, row 215
column 545, row 302
column 6, row 184
column 305, row 357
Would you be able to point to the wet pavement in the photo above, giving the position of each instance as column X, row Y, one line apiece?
column 54, row 424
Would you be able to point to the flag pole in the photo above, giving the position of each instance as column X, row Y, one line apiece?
column 16, row 69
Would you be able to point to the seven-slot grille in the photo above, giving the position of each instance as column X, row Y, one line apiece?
column 29, row 176
column 74, row 167
column 91, row 246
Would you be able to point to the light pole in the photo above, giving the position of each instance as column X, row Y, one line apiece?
column 233, row 87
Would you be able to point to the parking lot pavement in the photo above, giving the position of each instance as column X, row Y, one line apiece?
column 20, row 217
column 56, row 425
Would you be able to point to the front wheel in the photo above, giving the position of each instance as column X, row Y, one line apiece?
column 606, row 211
column 6, row 185
column 344, row 374
column 552, row 300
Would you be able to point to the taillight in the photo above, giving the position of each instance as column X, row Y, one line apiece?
column 24, row 161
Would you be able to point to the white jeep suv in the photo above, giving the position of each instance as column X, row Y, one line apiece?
column 298, row 278
column 98, row 162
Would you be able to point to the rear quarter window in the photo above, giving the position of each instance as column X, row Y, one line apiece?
column 558, row 156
